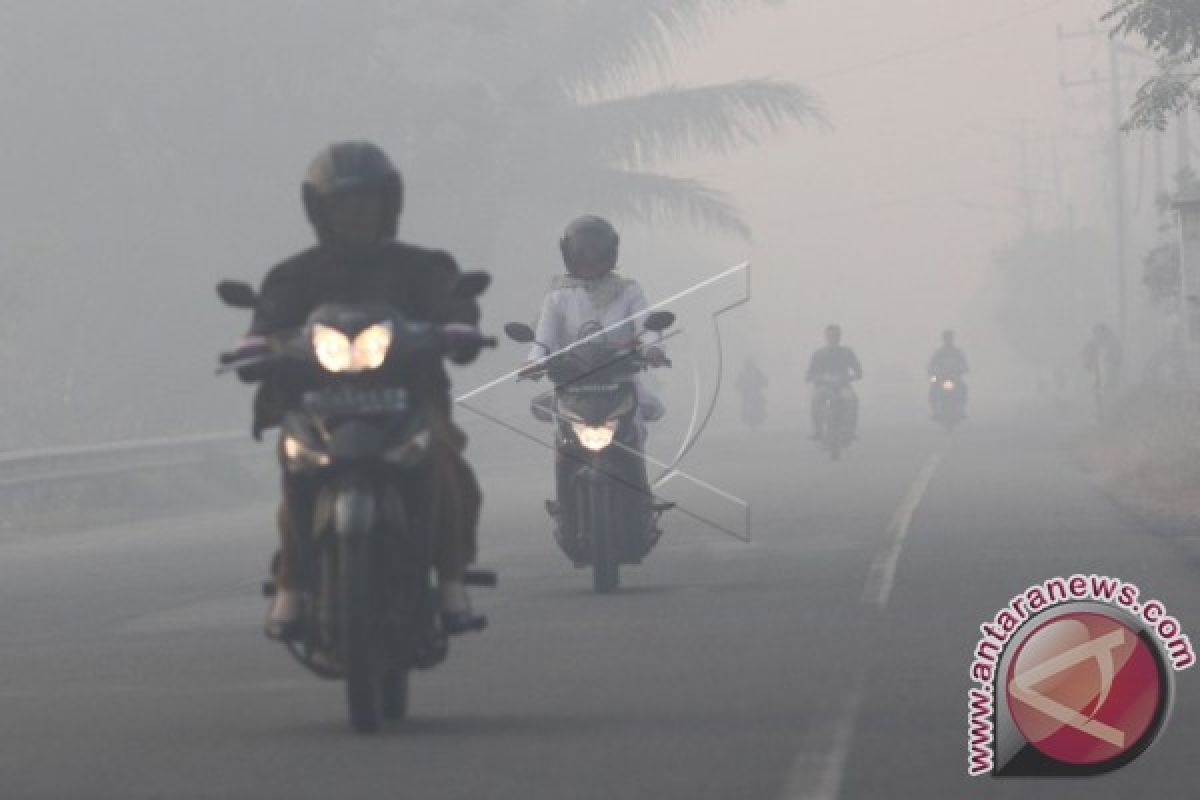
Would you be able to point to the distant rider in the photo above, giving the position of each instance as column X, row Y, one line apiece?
column 832, row 367
column 353, row 196
column 1102, row 358
column 948, row 363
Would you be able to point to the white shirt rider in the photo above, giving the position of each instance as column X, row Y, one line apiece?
column 575, row 307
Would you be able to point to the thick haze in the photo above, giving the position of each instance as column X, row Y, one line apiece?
column 153, row 147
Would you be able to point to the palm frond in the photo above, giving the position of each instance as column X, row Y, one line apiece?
column 655, row 199
column 1170, row 27
column 672, row 122
column 1163, row 97
column 612, row 42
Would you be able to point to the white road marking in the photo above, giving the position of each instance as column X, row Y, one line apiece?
column 881, row 578
column 818, row 772
column 820, row 768
column 141, row 689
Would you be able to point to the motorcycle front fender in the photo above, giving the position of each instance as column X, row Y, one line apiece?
column 354, row 509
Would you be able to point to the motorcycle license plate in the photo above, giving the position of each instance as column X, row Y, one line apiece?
column 347, row 400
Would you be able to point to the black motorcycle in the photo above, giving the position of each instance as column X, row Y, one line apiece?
column 836, row 414
column 369, row 611
column 605, row 513
column 949, row 401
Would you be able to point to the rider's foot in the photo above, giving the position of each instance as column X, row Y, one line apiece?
column 457, row 616
column 454, row 623
column 283, row 621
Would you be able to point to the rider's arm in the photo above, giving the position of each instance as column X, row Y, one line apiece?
column 855, row 366
column 444, row 306
column 635, row 303
column 653, row 341
column 548, row 325
column 812, row 367
column 282, row 303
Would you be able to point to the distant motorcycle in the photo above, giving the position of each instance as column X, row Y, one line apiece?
column 835, row 413
column 1103, row 391
column 949, row 401
column 605, row 514
column 369, row 613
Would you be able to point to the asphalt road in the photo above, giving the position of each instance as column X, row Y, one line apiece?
column 828, row 658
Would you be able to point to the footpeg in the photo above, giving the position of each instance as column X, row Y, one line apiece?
column 269, row 589
column 661, row 507
column 457, row 623
column 552, row 508
column 480, row 578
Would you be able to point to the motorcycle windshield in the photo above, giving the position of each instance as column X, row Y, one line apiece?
column 596, row 403
column 592, row 363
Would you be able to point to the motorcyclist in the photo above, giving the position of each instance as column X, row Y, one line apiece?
column 1103, row 356
column 752, row 383
column 948, row 363
column 353, row 196
column 592, row 296
column 830, row 366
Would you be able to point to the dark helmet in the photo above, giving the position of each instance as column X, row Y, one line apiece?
column 347, row 166
column 589, row 242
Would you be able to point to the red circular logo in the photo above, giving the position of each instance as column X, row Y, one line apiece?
column 1084, row 688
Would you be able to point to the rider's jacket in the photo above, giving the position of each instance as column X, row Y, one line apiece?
column 948, row 362
column 834, row 362
column 575, row 308
column 1102, row 351
column 415, row 281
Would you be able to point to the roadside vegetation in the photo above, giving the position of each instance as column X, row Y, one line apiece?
column 1147, row 455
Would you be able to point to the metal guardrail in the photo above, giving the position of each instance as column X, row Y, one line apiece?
column 26, row 467
column 23, row 467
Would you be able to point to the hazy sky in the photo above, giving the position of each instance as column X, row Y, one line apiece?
column 869, row 223
column 159, row 146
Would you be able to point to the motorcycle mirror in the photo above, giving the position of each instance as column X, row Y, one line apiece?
column 659, row 321
column 519, row 332
column 237, row 294
column 471, row 284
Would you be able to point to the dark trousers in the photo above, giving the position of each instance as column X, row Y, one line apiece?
column 451, row 489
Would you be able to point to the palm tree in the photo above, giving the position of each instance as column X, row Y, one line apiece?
column 539, row 115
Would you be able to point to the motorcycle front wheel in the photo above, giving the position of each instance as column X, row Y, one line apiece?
column 597, row 517
column 357, row 618
column 393, row 694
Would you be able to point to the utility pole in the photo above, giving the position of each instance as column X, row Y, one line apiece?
column 1184, row 130
column 1122, row 226
column 1026, row 188
column 1120, row 200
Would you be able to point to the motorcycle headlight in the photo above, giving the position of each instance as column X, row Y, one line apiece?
column 371, row 346
column 948, row 386
column 332, row 348
column 298, row 455
column 595, row 438
column 337, row 353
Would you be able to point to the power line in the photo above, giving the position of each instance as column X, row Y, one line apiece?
column 936, row 44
